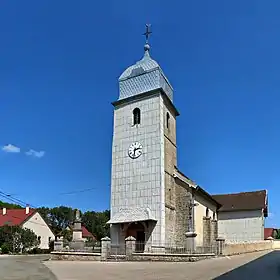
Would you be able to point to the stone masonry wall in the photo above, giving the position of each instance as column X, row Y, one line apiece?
column 206, row 231
column 214, row 231
column 169, row 257
column 248, row 247
column 74, row 256
column 170, row 213
column 183, row 200
column 170, row 160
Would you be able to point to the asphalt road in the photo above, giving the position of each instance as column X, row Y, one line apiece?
column 254, row 266
column 24, row 268
column 261, row 267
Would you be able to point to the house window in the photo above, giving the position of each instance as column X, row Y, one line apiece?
column 214, row 216
column 39, row 239
column 50, row 239
column 167, row 119
column 136, row 116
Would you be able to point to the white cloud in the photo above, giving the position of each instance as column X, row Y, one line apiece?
column 36, row 154
column 11, row 149
column 270, row 215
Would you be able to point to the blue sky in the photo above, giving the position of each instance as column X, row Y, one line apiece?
column 59, row 65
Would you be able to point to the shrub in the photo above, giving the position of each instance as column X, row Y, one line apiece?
column 51, row 245
column 5, row 248
column 36, row 251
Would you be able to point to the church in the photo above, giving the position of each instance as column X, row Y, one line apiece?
column 151, row 199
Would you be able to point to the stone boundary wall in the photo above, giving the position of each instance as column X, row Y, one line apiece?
column 242, row 248
column 223, row 249
column 152, row 257
column 74, row 256
column 276, row 244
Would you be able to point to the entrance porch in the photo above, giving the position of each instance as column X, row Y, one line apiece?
column 137, row 223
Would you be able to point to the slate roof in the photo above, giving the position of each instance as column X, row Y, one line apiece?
column 142, row 77
column 256, row 200
column 146, row 64
column 15, row 217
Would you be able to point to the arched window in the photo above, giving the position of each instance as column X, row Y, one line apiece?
column 167, row 119
column 207, row 212
column 136, row 116
column 214, row 216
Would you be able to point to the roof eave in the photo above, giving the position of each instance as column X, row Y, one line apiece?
column 147, row 94
column 241, row 209
column 208, row 196
column 28, row 217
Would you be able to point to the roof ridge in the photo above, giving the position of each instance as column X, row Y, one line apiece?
column 240, row 192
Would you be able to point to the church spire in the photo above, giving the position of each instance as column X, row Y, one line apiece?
column 144, row 76
column 147, row 35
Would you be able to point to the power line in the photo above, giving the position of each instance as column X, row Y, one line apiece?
column 12, row 200
column 15, row 200
column 80, row 191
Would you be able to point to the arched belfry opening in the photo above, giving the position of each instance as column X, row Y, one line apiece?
column 207, row 212
column 167, row 119
column 136, row 116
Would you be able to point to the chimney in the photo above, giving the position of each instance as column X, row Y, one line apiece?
column 4, row 211
column 27, row 209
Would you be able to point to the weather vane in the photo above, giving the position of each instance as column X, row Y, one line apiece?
column 148, row 32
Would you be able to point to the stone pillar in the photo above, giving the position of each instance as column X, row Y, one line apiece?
column 190, row 244
column 58, row 245
column 130, row 243
column 206, row 234
column 214, row 231
column 105, row 248
column 220, row 243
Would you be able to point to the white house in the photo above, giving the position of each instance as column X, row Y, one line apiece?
column 241, row 216
column 31, row 219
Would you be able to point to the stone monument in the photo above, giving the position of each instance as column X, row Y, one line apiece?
column 77, row 242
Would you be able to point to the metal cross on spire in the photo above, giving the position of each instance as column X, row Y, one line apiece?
column 148, row 32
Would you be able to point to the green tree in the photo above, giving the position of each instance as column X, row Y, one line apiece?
column 17, row 239
column 67, row 234
column 278, row 234
column 95, row 222
column 9, row 205
column 58, row 218
column 45, row 213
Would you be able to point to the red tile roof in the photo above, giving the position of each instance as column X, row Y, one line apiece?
column 268, row 232
column 255, row 200
column 86, row 233
column 15, row 217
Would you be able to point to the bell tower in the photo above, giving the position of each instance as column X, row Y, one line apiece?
column 143, row 154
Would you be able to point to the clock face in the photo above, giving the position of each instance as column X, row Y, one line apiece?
column 135, row 150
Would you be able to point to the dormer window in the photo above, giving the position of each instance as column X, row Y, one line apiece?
column 136, row 116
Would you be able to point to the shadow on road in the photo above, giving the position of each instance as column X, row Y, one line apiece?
column 265, row 267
